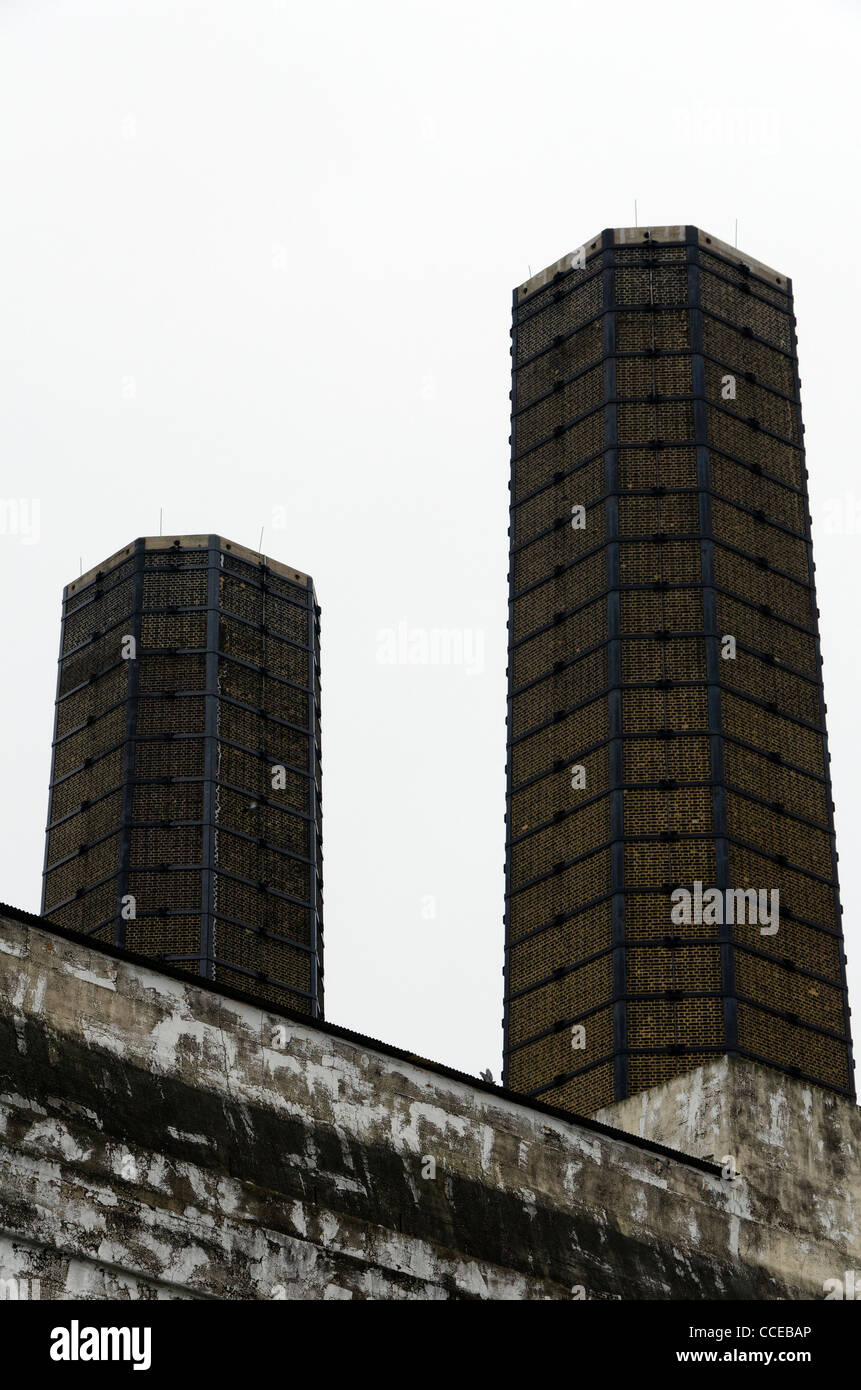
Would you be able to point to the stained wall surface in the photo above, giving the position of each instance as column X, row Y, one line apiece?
column 162, row 1139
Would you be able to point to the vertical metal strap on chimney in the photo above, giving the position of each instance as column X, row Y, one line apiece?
column 210, row 761
column 316, row 983
column 46, row 858
column 713, row 637
column 509, row 725
column 128, row 751
column 614, row 673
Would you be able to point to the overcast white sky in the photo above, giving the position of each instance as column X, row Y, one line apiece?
column 256, row 263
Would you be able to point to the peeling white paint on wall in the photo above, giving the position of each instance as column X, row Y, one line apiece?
column 89, row 977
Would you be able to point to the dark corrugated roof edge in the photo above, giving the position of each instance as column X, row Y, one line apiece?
column 335, row 1031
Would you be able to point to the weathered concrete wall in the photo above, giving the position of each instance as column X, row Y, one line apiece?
column 797, row 1147
column 161, row 1140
